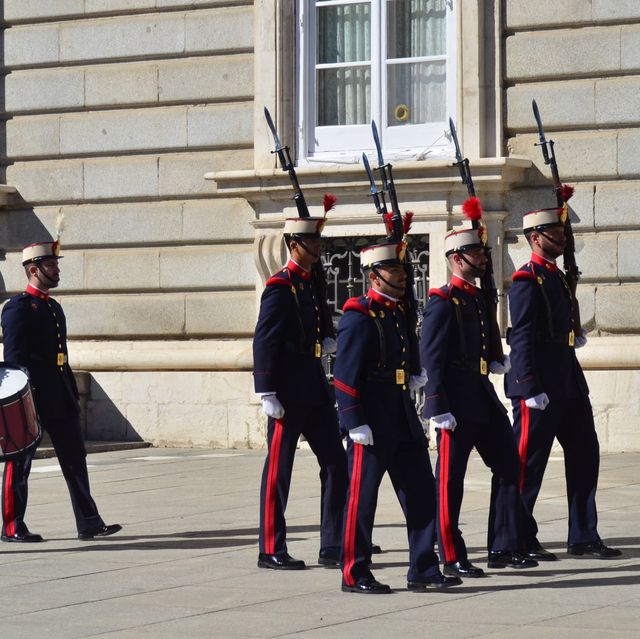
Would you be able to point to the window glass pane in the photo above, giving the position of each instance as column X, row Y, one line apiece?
column 344, row 33
column 416, row 28
column 417, row 93
column 344, row 96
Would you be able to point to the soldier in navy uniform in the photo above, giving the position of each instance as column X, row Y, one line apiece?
column 35, row 338
column 548, row 390
column 293, row 331
column 463, row 407
column 376, row 368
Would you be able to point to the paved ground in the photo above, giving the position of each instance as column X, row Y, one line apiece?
column 185, row 563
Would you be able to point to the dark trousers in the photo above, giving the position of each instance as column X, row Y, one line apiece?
column 571, row 421
column 68, row 444
column 494, row 442
column 319, row 425
column 409, row 469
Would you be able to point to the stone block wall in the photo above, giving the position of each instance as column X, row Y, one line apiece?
column 581, row 62
column 113, row 111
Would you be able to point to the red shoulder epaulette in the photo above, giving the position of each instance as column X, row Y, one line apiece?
column 523, row 275
column 445, row 295
column 281, row 277
column 360, row 304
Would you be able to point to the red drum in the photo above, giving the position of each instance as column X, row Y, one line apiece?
column 19, row 424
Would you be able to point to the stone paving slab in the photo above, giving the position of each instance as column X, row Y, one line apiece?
column 185, row 563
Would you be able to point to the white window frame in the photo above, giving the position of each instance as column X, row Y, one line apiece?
column 345, row 144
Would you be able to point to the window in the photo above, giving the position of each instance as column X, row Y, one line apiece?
column 392, row 61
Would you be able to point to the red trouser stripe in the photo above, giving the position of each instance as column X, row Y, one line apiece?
column 524, row 440
column 352, row 515
column 8, row 512
column 446, row 533
column 272, row 482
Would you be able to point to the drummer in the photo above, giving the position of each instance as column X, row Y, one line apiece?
column 35, row 338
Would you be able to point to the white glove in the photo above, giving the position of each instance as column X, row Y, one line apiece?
column 272, row 407
column 580, row 340
column 361, row 435
column 539, row 402
column 329, row 346
column 426, row 428
column 416, row 382
column 498, row 368
column 446, row 421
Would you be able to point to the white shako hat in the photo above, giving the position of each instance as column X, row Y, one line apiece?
column 534, row 220
column 463, row 238
column 40, row 251
column 304, row 226
column 379, row 254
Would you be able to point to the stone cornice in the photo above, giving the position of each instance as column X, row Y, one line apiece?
column 490, row 175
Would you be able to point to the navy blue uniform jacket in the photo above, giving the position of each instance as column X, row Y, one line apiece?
column 367, row 393
column 542, row 359
column 288, row 331
column 34, row 331
column 451, row 348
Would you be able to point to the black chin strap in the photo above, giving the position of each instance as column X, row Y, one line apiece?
column 377, row 273
column 560, row 244
column 476, row 269
column 51, row 281
column 307, row 250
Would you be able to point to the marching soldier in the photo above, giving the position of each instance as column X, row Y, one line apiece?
column 463, row 406
column 35, row 338
column 548, row 390
column 290, row 337
column 376, row 368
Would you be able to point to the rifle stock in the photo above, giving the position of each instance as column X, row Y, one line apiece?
column 397, row 234
column 571, row 269
column 318, row 272
column 487, row 281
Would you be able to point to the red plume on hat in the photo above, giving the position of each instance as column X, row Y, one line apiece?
column 388, row 222
column 472, row 208
column 407, row 219
column 329, row 202
column 566, row 192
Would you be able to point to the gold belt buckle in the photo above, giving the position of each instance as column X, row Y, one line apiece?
column 318, row 351
column 399, row 376
column 572, row 338
column 483, row 367
column 60, row 359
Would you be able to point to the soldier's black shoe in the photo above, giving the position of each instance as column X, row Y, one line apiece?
column 368, row 586
column 593, row 549
column 462, row 568
column 329, row 556
column 281, row 561
column 538, row 553
column 24, row 537
column 375, row 549
column 508, row 559
column 100, row 531
column 437, row 582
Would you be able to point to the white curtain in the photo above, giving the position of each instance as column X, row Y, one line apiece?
column 415, row 28
column 344, row 93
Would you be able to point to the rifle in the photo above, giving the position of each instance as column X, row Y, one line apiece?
column 563, row 193
column 398, row 227
column 487, row 281
column 318, row 272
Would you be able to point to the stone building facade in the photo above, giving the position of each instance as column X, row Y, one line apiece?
column 134, row 131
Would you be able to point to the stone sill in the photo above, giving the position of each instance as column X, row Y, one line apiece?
column 169, row 355
column 489, row 175
column 611, row 352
